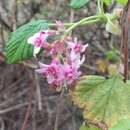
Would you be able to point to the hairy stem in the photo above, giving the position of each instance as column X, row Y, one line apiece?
column 88, row 20
column 82, row 22
column 100, row 7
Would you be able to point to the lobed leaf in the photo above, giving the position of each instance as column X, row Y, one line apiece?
column 103, row 100
column 122, row 125
column 89, row 127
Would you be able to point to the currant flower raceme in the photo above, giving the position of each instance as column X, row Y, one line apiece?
column 66, row 61
column 39, row 40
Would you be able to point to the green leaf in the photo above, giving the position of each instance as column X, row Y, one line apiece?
column 112, row 55
column 103, row 100
column 113, row 27
column 107, row 2
column 122, row 2
column 89, row 127
column 76, row 4
column 17, row 49
column 122, row 125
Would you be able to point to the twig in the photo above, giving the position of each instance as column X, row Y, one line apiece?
column 49, row 111
column 89, row 67
column 34, row 118
column 38, row 87
column 3, row 18
column 74, row 123
column 29, row 109
column 58, row 109
column 2, row 124
column 13, row 108
column 13, row 99
column 2, row 34
column 14, row 14
column 126, row 56
column 29, row 65
column 99, row 47
column 71, row 18
column 125, row 38
column 38, row 92
column 72, row 114
column 14, row 85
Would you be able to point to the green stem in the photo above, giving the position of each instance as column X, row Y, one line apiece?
column 85, row 21
column 82, row 22
column 88, row 20
column 100, row 7
column 71, row 24
column 65, row 24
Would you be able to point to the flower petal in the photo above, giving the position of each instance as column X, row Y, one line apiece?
column 50, row 79
column 36, row 51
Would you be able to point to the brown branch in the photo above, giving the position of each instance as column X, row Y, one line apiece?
column 27, row 116
column 18, row 106
column 2, row 35
column 4, row 20
column 29, row 109
column 38, row 91
column 14, row 14
column 125, row 54
column 125, row 39
column 58, row 109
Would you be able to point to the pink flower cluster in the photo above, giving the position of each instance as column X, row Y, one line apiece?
column 66, row 58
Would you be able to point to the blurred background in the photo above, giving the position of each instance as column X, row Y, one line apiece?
column 19, row 85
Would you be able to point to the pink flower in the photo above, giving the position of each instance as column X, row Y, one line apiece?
column 39, row 40
column 71, row 74
column 58, row 47
column 75, row 51
column 76, row 61
column 76, row 46
column 58, row 74
column 52, row 72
